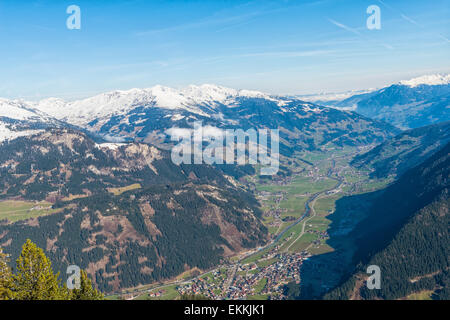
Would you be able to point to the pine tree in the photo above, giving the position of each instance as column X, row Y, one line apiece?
column 6, row 280
column 86, row 291
column 35, row 279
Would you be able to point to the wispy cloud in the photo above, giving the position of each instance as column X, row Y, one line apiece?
column 444, row 37
column 411, row 20
column 343, row 26
column 227, row 21
column 286, row 54
column 217, row 19
column 359, row 34
column 405, row 17
column 199, row 24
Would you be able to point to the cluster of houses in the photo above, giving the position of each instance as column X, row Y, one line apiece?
column 156, row 294
column 211, row 286
column 274, row 276
column 249, row 279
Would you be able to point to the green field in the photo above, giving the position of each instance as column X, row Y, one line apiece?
column 13, row 210
column 293, row 197
column 325, row 205
column 119, row 191
column 260, row 285
column 323, row 248
column 300, row 185
column 170, row 293
column 267, row 262
column 423, row 295
column 258, row 297
column 257, row 256
column 319, row 223
column 303, row 242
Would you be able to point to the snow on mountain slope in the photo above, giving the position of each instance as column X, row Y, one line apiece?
column 191, row 99
column 139, row 107
column 146, row 115
column 407, row 104
column 28, row 111
column 334, row 100
column 20, row 118
column 10, row 132
column 209, row 92
column 431, row 80
column 17, row 110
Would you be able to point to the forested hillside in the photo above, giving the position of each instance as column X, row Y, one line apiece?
column 406, row 235
column 124, row 213
column 404, row 151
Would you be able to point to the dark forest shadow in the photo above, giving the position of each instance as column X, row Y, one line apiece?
column 323, row 272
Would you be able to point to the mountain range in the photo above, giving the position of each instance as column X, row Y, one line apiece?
column 129, row 216
column 126, row 213
column 407, row 104
column 146, row 115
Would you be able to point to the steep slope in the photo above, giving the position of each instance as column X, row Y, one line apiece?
column 406, row 235
column 173, row 219
column 408, row 104
column 404, row 151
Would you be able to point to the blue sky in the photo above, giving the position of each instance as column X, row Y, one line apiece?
column 284, row 47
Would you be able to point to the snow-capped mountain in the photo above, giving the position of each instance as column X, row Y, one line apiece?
column 430, row 80
column 193, row 99
column 17, row 117
column 21, row 110
column 149, row 114
column 20, row 118
column 407, row 104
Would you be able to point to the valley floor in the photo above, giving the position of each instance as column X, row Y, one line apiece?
column 297, row 212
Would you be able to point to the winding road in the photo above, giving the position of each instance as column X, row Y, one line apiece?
column 308, row 210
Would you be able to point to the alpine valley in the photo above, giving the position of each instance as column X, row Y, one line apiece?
column 92, row 182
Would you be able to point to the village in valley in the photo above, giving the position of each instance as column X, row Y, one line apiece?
column 296, row 210
column 249, row 280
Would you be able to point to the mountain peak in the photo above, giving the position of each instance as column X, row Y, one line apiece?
column 190, row 98
column 431, row 80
